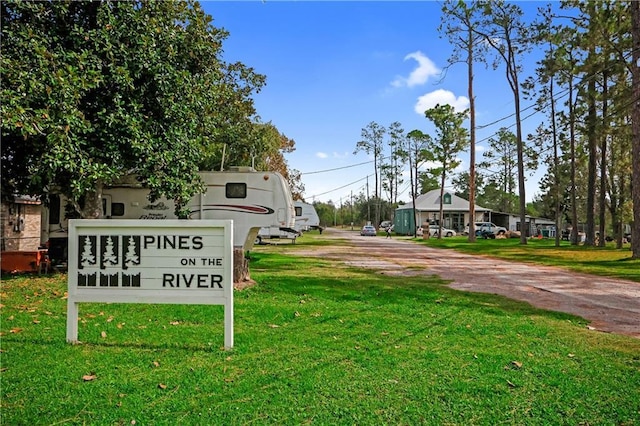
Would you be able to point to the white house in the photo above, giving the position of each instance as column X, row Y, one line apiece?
column 455, row 212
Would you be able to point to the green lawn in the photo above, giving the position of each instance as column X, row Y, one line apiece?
column 316, row 342
column 607, row 261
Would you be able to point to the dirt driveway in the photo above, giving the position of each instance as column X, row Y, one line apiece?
column 611, row 305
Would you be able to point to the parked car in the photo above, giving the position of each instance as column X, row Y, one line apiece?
column 368, row 231
column 484, row 229
column 386, row 224
column 435, row 229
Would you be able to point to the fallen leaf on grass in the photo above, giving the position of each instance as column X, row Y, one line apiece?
column 15, row 330
column 35, row 321
column 162, row 386
column 511, row 385
column 89, row 377
column 103, row 334
column 274, row 325
column 156, row 364
column 517, row 364
column 174, row 322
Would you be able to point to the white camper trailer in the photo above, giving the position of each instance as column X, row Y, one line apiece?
column 251, row 199
column 306, row 217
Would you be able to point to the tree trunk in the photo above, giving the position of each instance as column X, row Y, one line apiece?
column 602, row 210
column 92, row 208
column 635, row 150
column 240, row 266
column 472, row 143
column 592, row 140
column 572, row 136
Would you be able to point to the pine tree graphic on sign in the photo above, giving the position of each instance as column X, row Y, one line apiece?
column 109, row 251
column 131, row 258
column 88, row 258
column 109, row 257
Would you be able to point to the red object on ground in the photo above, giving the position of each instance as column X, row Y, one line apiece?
column 25, row 261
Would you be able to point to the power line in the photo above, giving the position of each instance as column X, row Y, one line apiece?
column 337, row 168
column 343, row 186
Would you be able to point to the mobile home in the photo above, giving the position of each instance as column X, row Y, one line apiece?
column 251, row 199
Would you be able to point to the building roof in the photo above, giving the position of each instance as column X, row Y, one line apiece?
column 430, row 202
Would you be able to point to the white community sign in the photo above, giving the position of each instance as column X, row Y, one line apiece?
column 143, row 261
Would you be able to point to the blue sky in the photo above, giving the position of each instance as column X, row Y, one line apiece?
column 333, row 67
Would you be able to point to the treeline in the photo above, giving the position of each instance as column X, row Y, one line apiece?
column 587, row 85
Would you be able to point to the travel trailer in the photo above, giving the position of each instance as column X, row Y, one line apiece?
column 306, row 217
column 251, row 199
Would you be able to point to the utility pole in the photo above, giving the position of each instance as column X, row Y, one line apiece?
column 368, row 203
column 351, row 206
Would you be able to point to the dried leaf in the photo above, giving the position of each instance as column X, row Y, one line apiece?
column 274, row 325
column 162, row 386
column 156, row 364
column 110, row 319
column 103, row 334
column 35, row 321
column 89, row 377
column 120, row 325
column 15, row 330
column 297, row 314
column 571, row 355
column 517, row 364
column 511, row 385
column 174, row 322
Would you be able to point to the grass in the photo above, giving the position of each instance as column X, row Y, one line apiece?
column 316, row 342
column 606, row 261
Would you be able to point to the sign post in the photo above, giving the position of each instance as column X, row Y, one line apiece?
column 142, row 261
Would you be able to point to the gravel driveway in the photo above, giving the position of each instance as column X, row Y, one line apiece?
column 611, row 305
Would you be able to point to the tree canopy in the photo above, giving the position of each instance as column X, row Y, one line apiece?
column 96, row 90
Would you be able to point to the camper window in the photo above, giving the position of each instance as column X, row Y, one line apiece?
column 236, row 190
column 298, row 211
column 117, row 209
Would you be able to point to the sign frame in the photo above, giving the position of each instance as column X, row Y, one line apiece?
column 204, row 246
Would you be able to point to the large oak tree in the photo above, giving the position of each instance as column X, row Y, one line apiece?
column 96, row 90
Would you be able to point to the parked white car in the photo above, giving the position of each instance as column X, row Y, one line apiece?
column 486, row 227
column 435, row 229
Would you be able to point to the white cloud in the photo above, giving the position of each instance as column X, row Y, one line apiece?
column 440, row 97
column 321, row 155
column 426, row 68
